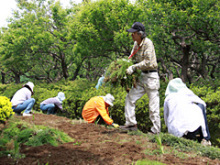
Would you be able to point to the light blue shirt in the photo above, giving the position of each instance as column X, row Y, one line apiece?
column 100, row 82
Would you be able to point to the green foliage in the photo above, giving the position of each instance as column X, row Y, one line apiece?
column 45, row 41
column 188, row 145
column 148, row 162
column 9, row 89
column 184, row 31
column 48, row 136
column 23, row 133
column 5, row 108
column 159, row 143
column 78, row 92
column 116, row 74
column 211, row 98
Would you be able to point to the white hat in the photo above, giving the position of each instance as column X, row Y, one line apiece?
column 61, row 96
column 109, row 99
column 174, row 86
column 31, row 85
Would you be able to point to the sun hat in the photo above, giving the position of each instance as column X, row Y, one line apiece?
column 136, row 27
column 31, row 85
column 61, row 96
column 109, row 99
column 174, row 86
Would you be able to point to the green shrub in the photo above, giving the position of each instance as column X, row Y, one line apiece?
column 78, row 92
column 9, row 89
column 47, row 136
column 5, row 108
column 212, row 99
column 21, row 132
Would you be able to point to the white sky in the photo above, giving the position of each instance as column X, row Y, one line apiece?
column 7, row 7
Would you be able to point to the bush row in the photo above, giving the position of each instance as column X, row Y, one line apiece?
column 78, row 92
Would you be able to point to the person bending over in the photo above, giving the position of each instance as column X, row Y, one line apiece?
column 50, row 105
column 185, row 113
column 98, row 106
column 22, row 100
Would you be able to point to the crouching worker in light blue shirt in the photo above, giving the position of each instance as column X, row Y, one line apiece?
column 51, row 104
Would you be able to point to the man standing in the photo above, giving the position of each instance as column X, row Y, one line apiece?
column 144, row 58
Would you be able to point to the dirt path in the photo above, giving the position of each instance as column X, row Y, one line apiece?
column 96, row 145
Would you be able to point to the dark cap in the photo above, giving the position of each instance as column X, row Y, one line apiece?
column 136, row 27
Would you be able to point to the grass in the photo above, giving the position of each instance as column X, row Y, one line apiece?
column 33, row 135
column 185, row 145
column 138, row 142
column 19, row 132
column 77, row 143
column 179, row 145
column 159, row 143
column 148, row 162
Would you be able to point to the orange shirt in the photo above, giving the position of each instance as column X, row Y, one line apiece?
column 95, row 107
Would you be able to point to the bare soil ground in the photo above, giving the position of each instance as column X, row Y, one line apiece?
column 97, row 145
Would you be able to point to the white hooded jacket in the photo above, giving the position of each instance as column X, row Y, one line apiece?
column 181, row 112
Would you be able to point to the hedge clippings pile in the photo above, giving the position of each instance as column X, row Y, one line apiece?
column 116, row 74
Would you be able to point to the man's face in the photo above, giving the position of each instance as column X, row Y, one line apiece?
column 136, row 36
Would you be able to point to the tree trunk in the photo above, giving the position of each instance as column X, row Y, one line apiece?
column 204, row 72
column 76, row 72
column 64, row 67
column 78, row 69
column 17, row 78
column 3, row 77
column 185, row 62
column 168, row 73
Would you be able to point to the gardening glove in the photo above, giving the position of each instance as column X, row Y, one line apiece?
column 115, row 125
column 130, row 70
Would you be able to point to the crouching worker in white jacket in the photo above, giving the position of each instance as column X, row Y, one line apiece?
column 51, row 104
column 185, row 113
column 22, row 100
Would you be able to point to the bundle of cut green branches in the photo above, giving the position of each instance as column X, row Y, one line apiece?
column 116, row 74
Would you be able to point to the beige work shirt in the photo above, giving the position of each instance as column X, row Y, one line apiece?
column 145, row 58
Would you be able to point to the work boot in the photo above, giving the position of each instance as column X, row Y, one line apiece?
column 205, row 142
column 150, row 132
column 129, row 127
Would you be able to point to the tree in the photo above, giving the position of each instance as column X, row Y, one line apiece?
column 99, row 29
column 187, row 36
column 43, row 40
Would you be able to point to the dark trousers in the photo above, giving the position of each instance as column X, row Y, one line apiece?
column 197, row 134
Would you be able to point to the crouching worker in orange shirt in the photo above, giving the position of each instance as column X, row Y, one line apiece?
column 96, row 106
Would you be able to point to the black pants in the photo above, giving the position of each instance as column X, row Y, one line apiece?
column 197, row 134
